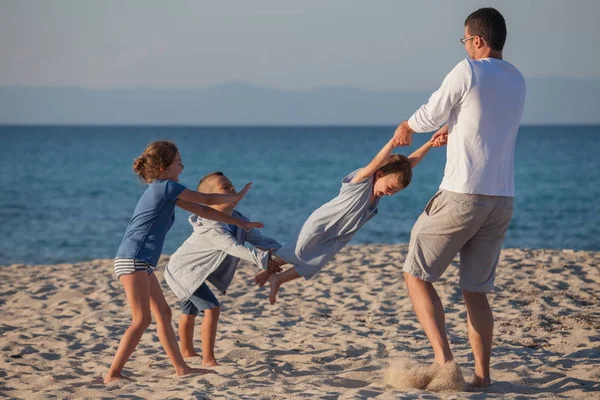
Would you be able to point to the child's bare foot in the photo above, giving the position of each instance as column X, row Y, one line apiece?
column 190, row 371
column 479, row 382
column 109, row 377
column 261, row 278
column 189, row 353
column 210, row 363
column 274, row 288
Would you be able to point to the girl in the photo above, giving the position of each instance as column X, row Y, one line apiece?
column 333, row 225
column 160, row 166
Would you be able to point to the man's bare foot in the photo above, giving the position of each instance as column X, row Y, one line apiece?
column 193, row 371
column 261, row 278
column 188, row 353
column 274, row 282
column 210, row 363
column 479, row 382
column 110, row 377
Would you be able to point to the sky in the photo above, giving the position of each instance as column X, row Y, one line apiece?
column 296, row 45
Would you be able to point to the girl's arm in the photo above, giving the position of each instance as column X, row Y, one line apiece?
column 418, row 154
column 374, row 165
column 192, row 196
column 209, row 213
column 439, row 139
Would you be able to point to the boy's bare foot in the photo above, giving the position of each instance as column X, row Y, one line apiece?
column 261, row 278
column 109, row 377
column 193, row 371
column 188, row 354
column 479, row 382
column 274, row 282
column 210, row 363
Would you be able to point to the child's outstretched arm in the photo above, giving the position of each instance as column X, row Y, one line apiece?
column 374, row 165
column 438, row 139
column 213, row 199
column 226, row 243
column 209, row 213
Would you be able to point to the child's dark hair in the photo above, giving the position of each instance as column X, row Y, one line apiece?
column 158, row 155
column 398, row 165
column 216, row 173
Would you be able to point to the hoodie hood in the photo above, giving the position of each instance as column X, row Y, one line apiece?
column 203, row 225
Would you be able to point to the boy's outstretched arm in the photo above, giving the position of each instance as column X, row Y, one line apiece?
column 258, row 240
column 374, row 165
column 224, row 242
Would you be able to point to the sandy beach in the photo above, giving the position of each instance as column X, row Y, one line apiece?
column 332, row 337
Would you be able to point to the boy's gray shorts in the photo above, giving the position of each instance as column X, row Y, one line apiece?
column 472, row 225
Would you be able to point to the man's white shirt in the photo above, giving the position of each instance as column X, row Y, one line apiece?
column 482, row 101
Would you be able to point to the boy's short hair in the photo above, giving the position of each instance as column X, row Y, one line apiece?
column 203, row 180
column 398, row 165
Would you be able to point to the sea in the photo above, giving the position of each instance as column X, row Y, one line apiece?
column 67, row 193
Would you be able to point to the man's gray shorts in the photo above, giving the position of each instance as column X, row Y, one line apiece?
column 472, row 225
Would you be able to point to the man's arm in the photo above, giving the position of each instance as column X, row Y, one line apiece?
column 436, row 111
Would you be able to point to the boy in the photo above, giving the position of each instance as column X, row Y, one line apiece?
column 212, row 253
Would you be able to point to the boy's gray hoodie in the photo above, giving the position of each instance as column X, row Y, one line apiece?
column 212, row 253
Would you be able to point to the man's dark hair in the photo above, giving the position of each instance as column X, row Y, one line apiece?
column 490, row 25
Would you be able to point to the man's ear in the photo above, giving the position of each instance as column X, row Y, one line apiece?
column 378, row 174
column 479, row 42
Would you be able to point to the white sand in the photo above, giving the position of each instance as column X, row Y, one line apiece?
column 332, row 337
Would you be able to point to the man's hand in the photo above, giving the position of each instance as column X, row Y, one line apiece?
column 440, row 141
column 402, row 135
column 440, row 138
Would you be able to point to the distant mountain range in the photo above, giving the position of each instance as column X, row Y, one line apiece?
column 552, row 100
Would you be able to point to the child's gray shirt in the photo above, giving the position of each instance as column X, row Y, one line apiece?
column 212, row 253
column 330, row 227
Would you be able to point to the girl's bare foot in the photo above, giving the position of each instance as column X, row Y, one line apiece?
column 193, row 371
column 274, row 282
column 210, row 363
column 110, row 377
column 261, row 278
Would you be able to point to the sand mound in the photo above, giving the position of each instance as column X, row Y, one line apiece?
column 404, row 373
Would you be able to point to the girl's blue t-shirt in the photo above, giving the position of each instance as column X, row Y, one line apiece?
column 152, row 218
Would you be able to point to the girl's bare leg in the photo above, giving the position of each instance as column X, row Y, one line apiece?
column 137, row 289
column 166, row 334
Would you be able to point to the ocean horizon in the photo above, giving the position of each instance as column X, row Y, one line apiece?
column 68, row 191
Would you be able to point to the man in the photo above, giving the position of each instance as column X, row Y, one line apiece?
column 481, row 100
